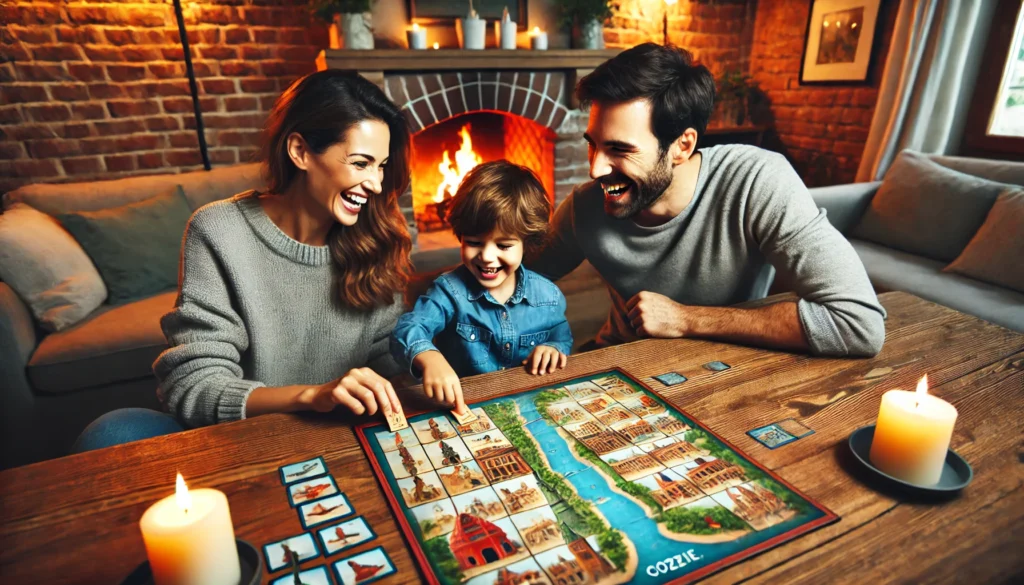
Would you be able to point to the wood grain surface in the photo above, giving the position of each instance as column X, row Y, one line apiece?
column 75, row 519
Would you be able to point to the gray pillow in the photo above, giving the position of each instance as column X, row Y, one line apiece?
column 996, row 253
column 136, row 246
column 926, row 209
column 47, row 268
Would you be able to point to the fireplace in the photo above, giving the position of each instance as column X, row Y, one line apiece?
column 444, row 152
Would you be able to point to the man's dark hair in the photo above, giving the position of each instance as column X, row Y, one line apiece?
column 680, row 91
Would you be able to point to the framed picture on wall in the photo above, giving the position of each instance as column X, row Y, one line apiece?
column 446, row 11
column 839, row 41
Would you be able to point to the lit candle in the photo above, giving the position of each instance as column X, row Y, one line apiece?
column 538, row 39
column 190, row 540
column 436, row 46
column 912, row 435
column 417, row 37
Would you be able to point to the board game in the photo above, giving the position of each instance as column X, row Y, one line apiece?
column 595, row 480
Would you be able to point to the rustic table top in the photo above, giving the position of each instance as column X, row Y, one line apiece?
column 75, row 519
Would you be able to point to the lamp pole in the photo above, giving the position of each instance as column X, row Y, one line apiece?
column 664, row 22
column 200, row 132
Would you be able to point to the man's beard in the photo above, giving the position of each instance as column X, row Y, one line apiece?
column 645, row 191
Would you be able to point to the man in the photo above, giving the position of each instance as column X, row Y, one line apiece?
column 680, row 235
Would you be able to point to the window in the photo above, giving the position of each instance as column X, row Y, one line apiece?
column 995, row 123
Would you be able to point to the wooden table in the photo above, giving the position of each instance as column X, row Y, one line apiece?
column 75, row 520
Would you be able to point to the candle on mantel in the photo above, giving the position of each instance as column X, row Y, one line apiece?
column 417, row 37
column 190, row 540
column 436, row 46
column 538, row 39
column 912, row 435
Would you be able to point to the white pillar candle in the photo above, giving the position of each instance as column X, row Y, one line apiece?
column 508, row 34
column 190, row 540
column 538, row 39
column 417, row 37
column 912, row 435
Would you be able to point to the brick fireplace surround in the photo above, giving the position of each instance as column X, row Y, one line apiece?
column 535, row 87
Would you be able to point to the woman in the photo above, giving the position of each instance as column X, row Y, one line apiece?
column 287, row 298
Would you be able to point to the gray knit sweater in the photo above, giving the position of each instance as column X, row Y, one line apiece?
column 255, row 309
column 750, row 216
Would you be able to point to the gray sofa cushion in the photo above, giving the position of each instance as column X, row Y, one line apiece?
column 927, row 209
column 47, row 268
column 201, row 187
column 114, row 344
column 996, row 253
column 894, row 270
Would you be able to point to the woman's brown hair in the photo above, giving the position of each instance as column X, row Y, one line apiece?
column 503, row 195
column 371, row 258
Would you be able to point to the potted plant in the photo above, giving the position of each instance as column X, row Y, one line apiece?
column 353, row 19
column 585, row 18
column 734, row 91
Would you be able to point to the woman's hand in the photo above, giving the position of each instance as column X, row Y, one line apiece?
column 545, row 359
column 440, row 381
column 361, row 391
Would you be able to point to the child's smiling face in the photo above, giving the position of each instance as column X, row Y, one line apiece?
column 493, row 259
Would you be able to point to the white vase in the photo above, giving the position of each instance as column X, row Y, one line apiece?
column 356, row 31
column 472, row 33
column 592, row 35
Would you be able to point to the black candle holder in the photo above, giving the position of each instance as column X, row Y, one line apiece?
column 956, row 472
column 248, row 558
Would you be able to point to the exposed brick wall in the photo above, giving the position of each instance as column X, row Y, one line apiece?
column 821, row 129
column 718, row 33
column 98, row 89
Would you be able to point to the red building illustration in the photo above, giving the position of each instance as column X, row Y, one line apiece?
column 476, row 542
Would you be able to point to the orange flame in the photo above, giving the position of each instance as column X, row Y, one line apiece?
column 465, row 160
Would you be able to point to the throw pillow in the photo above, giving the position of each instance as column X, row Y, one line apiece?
column 136, row 246
column 926, row 209
column 47, row 268
column 995, row 253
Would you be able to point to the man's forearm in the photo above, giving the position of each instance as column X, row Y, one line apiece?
column 776, row 325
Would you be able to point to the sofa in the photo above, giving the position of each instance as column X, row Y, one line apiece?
column 918, row 236
column 53, row 383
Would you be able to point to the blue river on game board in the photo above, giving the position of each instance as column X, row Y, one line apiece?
column 625, row 514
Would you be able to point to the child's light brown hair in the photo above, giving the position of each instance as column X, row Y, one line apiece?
column 502, row 195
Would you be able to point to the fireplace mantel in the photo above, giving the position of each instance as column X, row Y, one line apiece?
column 374, row 63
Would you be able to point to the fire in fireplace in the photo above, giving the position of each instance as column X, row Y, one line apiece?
column 442, row 154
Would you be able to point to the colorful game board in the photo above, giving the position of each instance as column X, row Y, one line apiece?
column 598, row 480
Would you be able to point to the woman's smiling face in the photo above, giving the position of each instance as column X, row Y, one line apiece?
column 347, row 174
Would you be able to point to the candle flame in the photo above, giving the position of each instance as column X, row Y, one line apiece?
column 922, row 386
column 415, row 26
column 536, row 30
column 435, row 45
column 181, row 494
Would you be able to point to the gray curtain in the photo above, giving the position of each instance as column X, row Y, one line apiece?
column 934, row 58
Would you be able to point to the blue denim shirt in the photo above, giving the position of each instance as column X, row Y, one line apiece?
column 476, row 333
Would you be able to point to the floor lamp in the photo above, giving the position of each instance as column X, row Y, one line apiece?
column 192, row 84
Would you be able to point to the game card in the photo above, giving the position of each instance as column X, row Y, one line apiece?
column 771, row 436
column 794, row 427
column 364, row 567
column 296, row 549
column 314, row 576
column 717, row 366
column 303, row 470
column 324, row 510
column 466, row 417
column 396, row 421
column 670, row 378
column 311, row 489
column 345, row 535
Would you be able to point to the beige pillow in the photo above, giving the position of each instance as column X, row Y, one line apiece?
column 47, row 268
column 926, row 209
column 996, row 253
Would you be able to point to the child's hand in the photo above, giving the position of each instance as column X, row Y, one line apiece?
column 545, row 359
column 440, row 381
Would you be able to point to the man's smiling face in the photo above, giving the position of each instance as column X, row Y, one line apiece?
column 625, row 158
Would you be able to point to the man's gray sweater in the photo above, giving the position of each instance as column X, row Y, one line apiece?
column 750, row 213
column 256, row 308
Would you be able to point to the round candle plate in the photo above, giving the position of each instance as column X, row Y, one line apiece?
column 956, row 473
column 248, row 557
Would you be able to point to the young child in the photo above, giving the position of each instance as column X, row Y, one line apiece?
column 490, row 313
